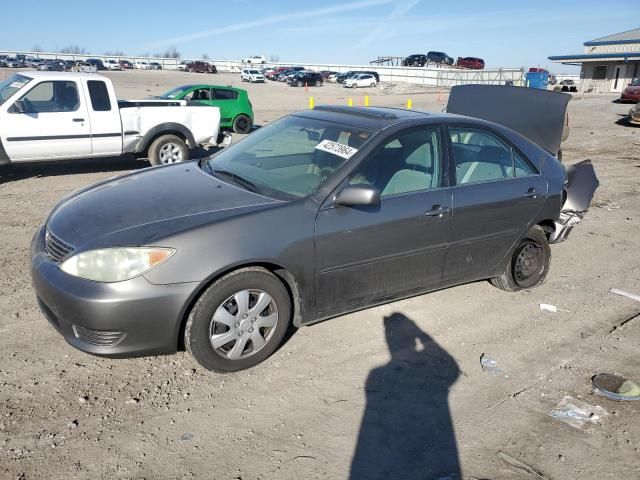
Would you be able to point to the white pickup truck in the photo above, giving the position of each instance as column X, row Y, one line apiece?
column 57, row 115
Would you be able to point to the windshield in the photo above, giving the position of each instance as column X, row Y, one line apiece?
column 290, row 158
column 175, row 92
column 11, row 85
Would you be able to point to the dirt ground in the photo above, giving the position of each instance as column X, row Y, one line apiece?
column 410, row 369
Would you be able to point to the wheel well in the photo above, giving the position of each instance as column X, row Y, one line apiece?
column 285, row 276
column 180, row 135
column 548, row 226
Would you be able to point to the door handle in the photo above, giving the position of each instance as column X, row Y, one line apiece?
column 437, row 211
column 78, row 119
column 531, row 193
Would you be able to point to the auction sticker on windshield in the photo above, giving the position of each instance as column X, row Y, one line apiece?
column 339, row 149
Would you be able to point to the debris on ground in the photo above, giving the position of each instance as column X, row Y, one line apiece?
column 491, row 366
column 514, row 462
column 624, row 293
column 615, row 387
column 578, row 414
column 545, row 307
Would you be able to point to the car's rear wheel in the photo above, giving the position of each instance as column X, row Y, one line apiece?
column 299, row 83
column 529, row 263
column 373, row 84
column 239, row 321
column 168, row 149
column 242, row 124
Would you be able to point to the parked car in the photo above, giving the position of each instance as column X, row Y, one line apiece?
column 12, row 62
column 283, row 75
column 472, row 63
column 68, row 65
column 79, row 116
column 439, row 57
column 236, row 111
column 53, row 66
column 96, row 62
column 255, row 59
column 141, row 65
column 183, row 66
column 33, row 62
column 251, row 75
column 326, row 74
column 341, row 78
column 155, row 66
column 415, row 60
column 307, row 78
column 632, row 92
column 361, row 80
column 201, row 67
column 316, row 215
column 112, row 64
column 273, row 75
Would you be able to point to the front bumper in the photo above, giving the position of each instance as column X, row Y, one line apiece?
column 121, row 319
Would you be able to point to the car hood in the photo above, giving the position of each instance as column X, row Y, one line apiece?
column 137, row 208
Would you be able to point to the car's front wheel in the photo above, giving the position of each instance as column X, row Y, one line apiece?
column 529, row 263
column 239, row 321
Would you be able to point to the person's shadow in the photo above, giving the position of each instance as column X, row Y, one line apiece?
column 406, row 430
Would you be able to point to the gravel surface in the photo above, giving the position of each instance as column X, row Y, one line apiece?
column 390, row 392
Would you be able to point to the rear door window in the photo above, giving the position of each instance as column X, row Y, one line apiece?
column 480, row 156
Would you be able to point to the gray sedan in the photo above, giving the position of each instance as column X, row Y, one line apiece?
column 321, row 213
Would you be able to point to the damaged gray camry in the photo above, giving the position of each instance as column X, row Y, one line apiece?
column 321, row 213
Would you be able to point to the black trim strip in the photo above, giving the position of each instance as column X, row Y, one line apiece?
column 68, row 137
column 132, row 132
column 47, row 137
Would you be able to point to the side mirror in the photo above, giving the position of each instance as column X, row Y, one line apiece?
column 18, row 107
column 358, row 195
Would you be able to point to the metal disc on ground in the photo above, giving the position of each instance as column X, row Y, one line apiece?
column 615, row 387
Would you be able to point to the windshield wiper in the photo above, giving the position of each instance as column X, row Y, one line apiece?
column 243, row 182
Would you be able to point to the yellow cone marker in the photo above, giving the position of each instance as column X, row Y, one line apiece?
column 311, row 103
column 409, row 104
column 366, row 100
column 350, row 103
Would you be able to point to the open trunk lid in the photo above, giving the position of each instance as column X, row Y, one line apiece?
column 537, row 114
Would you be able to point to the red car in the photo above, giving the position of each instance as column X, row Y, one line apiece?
column 202, row 67
column 274, row 74
column 472, row 63
column 632, row 92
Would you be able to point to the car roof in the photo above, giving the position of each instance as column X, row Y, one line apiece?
column 206, row 85
column 369, row 118
column 61, row 75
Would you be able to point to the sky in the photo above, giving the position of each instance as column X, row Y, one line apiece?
column 504, row 33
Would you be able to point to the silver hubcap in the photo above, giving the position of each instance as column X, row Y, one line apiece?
column 243, row 324
column 170, row 153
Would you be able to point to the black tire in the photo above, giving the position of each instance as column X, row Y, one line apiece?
column 299, row 84
column 529, row 263
column 318, row 83
column 156, row 147
column 242, row 124
column 199, row 324
column 373, row 84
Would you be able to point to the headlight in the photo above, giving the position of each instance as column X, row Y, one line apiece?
column 115, row 264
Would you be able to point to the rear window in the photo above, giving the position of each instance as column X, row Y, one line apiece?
column 99, row 96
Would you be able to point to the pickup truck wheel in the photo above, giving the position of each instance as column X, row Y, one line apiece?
column 529, row 263
column 168, row 149
column 242, row 124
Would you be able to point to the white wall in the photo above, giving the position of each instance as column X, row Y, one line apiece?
column 433, row 76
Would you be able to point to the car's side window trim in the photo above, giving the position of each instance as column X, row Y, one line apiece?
column 452, row 161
